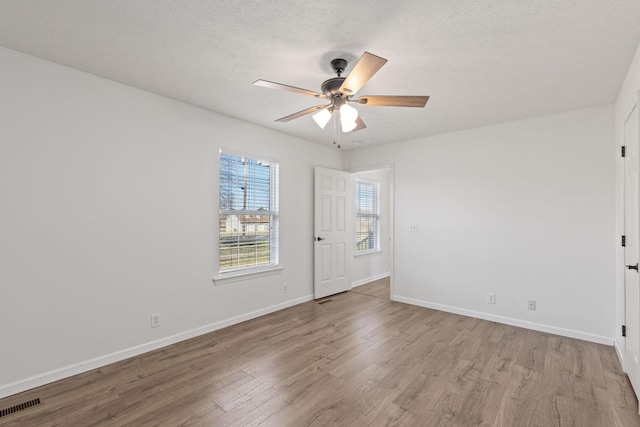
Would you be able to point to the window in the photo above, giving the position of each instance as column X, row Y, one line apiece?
column 248, row 208
column 367, row 216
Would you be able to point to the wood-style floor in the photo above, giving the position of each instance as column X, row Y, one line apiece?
column 357, row 359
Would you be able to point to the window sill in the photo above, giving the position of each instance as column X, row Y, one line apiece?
column 373, row 252
column 237, row 276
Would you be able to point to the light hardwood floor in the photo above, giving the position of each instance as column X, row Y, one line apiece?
column 357, row 359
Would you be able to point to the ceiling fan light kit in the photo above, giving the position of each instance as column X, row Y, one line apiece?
column 340, row 90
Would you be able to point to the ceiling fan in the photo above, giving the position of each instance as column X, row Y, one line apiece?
column 340, row 90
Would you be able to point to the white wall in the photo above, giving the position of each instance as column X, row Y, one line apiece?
column 373, row 266
column 108, row 201
column 523, row 209
column 626, row 99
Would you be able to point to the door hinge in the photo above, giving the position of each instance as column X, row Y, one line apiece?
column 624, row 331
column 624, row 241
column 623, row 151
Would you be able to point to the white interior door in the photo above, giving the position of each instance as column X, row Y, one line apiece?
column 631, row 253
column 333, row 224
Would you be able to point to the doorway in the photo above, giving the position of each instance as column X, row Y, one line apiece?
column 338, row 266
column 373, row 261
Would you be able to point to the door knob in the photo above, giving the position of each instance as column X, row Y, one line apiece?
column 633, row 267
column 319, row 238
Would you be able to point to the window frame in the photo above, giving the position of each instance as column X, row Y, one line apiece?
column 274, row 265
column 375, row 216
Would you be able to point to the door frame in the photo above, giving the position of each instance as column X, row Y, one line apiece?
column 385, row 167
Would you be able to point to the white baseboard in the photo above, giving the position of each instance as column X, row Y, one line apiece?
column 87, row 365
column 369, row 279
column 585, row 336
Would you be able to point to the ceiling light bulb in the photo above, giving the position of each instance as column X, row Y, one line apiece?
column 322, row 117
column 348, row 117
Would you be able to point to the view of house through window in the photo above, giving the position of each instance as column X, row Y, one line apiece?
column 367, row 216
column 248, row 207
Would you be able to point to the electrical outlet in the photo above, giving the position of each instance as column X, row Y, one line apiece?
column 531, row 305
column 155, row 320
column 491, row 298
column 284, row 288
column 413, row 228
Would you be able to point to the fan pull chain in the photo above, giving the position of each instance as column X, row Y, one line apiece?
column 336, row 133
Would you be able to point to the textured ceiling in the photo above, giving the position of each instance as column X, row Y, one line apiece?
column 481, row 61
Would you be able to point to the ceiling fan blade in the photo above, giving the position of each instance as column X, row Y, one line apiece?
column 273, row 85
column 359, row 125
column 302, row 113
column 392, row 101
column 365, row 68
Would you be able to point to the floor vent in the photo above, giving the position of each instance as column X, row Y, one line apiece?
column 325, row 301
column 20, row 407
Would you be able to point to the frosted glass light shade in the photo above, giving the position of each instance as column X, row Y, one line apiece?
column 322, row 117
column 347, row 126
column 348, row 116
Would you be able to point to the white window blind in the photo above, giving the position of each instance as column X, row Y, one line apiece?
column 248, row 213
column 367, row 216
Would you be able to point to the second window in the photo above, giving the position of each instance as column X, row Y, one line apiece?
column 367, row 216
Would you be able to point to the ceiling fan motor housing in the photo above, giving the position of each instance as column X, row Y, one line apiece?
column 331, row 87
